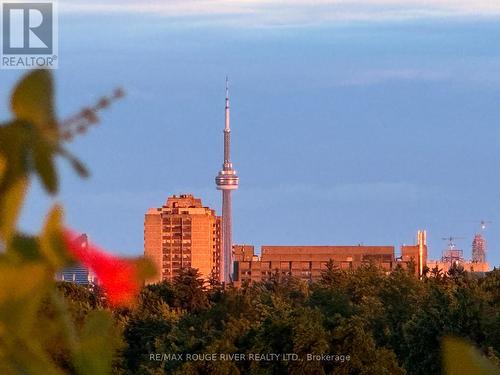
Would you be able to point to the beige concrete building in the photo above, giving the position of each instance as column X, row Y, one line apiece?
column 308, row 262
column 305, row 262
column 467, row 265
column 180, row 234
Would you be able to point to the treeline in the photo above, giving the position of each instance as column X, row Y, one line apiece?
column 372, row 322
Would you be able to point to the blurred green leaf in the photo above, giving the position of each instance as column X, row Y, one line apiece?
column 10, row 207
column 76, row 164
column 3, row 166
column 21, row 296
column 32, row 99
column 51, row 240
column 94, row 354
column 43, row 156
column 145, row 268
column 23, row 287
column 24, row 248
column 462, row 358
column 14, row 149
column 28, row 358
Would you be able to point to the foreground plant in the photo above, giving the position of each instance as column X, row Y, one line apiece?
column 120, row 278
column 35, row 325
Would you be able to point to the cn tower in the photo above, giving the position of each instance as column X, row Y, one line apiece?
column 227, row 181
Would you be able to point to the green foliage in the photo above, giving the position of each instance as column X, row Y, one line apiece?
column 31, row 141
column 94, row 351
column 41, row 330
column 33, row 100
column 462, row 358
column 190, row 290
column 386, row 324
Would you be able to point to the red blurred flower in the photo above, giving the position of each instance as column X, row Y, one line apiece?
column 118, row 277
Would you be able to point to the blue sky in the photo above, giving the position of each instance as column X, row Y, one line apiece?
column 352, row 122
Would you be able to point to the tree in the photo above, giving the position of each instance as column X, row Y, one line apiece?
column 146, row 329
column 351, row 337
column 189, row 290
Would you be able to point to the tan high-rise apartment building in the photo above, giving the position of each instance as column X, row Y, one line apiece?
column 180, row 234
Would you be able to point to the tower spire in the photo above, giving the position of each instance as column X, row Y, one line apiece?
column 227, row 126
column 227, row 180
column 227, row 129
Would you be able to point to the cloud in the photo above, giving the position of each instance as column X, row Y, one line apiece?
column 290, row 12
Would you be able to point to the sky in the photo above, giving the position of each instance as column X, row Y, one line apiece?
column 353, row 122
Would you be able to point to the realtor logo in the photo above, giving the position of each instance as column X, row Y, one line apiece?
column 29, row 38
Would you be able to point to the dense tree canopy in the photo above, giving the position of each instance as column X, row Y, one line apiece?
column 375, row 323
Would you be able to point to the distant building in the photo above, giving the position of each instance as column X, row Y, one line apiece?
column 452, row 256
column 466, row 265
column 416, row 254
column 180, row 234
column 244, row 253
column 78, row 274
column 479, row 249
column 306, row 262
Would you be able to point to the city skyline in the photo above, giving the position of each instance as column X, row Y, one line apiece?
column 386, row 128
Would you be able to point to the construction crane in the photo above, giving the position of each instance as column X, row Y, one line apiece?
column 485, row 223
column 451, row 241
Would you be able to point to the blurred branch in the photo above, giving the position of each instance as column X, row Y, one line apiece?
column 80, row 122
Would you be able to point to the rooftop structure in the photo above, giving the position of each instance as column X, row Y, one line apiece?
column 416, row 254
